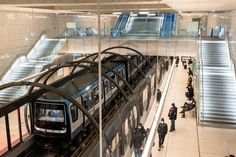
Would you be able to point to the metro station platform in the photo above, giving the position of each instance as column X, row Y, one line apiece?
column 189, row 139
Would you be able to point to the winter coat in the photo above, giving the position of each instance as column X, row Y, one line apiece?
column 172, row 113
column 162, row 129
column 137, row 139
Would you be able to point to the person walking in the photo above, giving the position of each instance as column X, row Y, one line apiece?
column 172, row 116
column 162, row 131
column 142, row 130
column 137, row 141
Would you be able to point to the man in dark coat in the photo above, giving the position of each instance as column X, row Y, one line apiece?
column 137, row 141
column 172, row 116
column 190, row 72
column 142, row 130
column 162, row 131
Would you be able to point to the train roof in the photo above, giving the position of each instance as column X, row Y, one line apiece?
column 78, row 85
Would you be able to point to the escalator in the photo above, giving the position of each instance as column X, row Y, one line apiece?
column 120, row 25
column 169, row 25
column 40, row 55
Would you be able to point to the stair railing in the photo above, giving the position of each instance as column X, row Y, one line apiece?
column 200, row 79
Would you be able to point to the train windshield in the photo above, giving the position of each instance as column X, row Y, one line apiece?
column 50, row 116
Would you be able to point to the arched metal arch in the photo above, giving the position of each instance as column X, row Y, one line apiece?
column 46, row 73
column 106, row 67
column 128, row 48
column 54, row 90
column 83, row 66
column 105, row 75
column 75, row 63
column 127, row 59
column 121, row 47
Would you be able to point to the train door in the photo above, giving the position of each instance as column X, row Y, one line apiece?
column 88, row 102
column 153, row 84
column 76, row 118
column 116, row 146
column 149, row 91
column 127, row 130
column 145, row 97
column 135, row 117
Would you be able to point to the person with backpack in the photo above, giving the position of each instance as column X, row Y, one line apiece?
column 162, row 131
column 172, row 116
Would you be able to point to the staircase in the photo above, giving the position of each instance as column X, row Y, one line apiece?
column 217, row 84
column 40, row 55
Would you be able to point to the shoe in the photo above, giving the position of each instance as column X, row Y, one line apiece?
column 162, row 146
column 159, row 149
column 170, row 130
column 181, row 112
column 183, row 117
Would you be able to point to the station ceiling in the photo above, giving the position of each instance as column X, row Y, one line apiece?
column 109, row 6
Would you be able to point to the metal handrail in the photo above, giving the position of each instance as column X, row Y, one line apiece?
column 152, row 134
column 201, row 93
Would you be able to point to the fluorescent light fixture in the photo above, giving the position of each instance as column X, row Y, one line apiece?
column 143, row 12
column 151, row 14
column 134, row 15
column 117, row 13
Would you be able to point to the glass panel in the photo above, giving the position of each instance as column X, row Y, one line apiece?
column 14, row 128
column 88, row 102
column 23, row 121
column 74, row 113
column 50, row 116
column 3, row 140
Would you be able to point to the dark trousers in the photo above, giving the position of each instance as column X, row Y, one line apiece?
column 172, row 127
column 161, row 140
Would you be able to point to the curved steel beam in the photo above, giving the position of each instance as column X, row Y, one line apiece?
column 47, row 72
column 128, row 48
column 105, row 75
column 106, row 67
column 127, row 59
column 54, row 90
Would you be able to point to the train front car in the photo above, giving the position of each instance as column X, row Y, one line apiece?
column 50, row 122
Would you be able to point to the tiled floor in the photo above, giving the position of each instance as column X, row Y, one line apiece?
column 190, row 140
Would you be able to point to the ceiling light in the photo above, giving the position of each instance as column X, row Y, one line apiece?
column 151, row 14
column 117, row 13
column 143, row 12
column 134, row 15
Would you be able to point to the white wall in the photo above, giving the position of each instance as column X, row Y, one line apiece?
column 19, row 30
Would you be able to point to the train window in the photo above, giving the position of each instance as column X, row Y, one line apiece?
column 88, row 102
column 74, row 113
column 96, row 94
column 123, row 73
column 106, row 86
column 50, row 112
column 113, row 78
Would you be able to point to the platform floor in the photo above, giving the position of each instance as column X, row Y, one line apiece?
column 189, row 140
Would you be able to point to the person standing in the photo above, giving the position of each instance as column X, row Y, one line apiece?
column 177, row 61
column 172, row 116
column 162, row 131
column 137, row 141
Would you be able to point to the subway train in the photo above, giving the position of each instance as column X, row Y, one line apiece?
column 56, row 121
